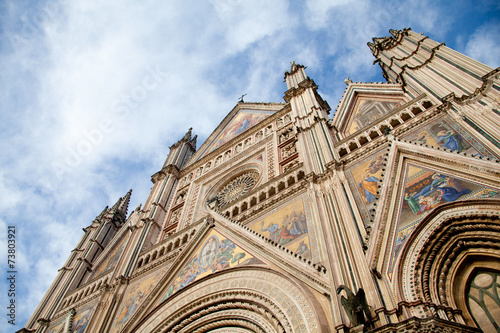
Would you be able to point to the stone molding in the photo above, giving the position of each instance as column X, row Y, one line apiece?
column 238, row 289
column 437, row 248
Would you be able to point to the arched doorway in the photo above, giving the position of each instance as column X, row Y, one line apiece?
column 451, row 266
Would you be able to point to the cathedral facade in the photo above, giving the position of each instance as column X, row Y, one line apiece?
column 382, row 218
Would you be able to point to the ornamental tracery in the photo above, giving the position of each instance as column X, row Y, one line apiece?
column 236, row 188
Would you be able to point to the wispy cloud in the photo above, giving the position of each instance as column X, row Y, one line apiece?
column 93, row 93
column 483, row 45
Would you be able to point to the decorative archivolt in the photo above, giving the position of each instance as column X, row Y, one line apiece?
column 441, row 255
column 247, row 299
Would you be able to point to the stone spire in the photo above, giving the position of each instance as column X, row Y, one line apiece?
column 187, row 136
column 193, row 142
column 182, row 150
column 121, row 206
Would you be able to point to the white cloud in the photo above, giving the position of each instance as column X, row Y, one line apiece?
column 483, row 44
column 76, row 64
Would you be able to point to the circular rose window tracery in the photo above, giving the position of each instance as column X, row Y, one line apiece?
column 237, row 188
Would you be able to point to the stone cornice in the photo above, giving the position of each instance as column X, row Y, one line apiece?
column 166, row 170
column 303, row 86
column 385, row 43
column 480, row 92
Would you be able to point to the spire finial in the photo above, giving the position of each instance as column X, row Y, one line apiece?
column 121, row 206
column 193, row 141
column 187, row 136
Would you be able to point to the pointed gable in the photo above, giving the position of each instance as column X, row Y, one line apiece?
column 425, row 188
column 243, row 117
column 364, row 103
column 415, row 187
column 215, row 253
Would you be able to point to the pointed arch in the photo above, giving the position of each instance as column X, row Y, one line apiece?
column 251, row 300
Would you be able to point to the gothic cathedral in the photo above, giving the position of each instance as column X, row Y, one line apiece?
column 382, row 218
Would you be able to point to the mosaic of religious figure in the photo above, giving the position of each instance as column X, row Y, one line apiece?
column 448, row 134
column 291, row 227
column 134, row 296
column 426, row 189
column 364, row 179
column 287, row 226
column 82, row 317
column 244, row 120
column 112, row 259
column 215, row 254
column 369, row 110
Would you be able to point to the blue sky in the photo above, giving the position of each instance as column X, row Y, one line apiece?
column 93, row 94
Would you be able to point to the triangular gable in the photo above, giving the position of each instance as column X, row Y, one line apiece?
column 418, row 187
column 215, row 253
column 364, row 103
column 243, row 117
column 109, row 258
column 210, row 253
column 424, row 189
column 219, row 246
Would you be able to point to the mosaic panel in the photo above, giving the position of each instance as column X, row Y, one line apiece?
column 288, row 226
column 244, row 120
column 448, row 134
column 83, row 316
column 111, row 259
column 217, row 253
column 364, row 179
column 134, row 296
column 367, row 111
column 424, row 190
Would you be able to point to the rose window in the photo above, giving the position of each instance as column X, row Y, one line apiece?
column 236, row 188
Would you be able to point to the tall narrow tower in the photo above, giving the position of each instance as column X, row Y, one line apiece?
column 422, row 65
column 80, row 264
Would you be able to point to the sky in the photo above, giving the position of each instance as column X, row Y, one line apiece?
column 92, row 94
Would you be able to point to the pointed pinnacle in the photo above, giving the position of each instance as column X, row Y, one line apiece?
column 122, row 209
column 187, row 136
column 193, row 141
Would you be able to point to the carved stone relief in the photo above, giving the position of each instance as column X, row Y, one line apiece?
column 236, row 188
